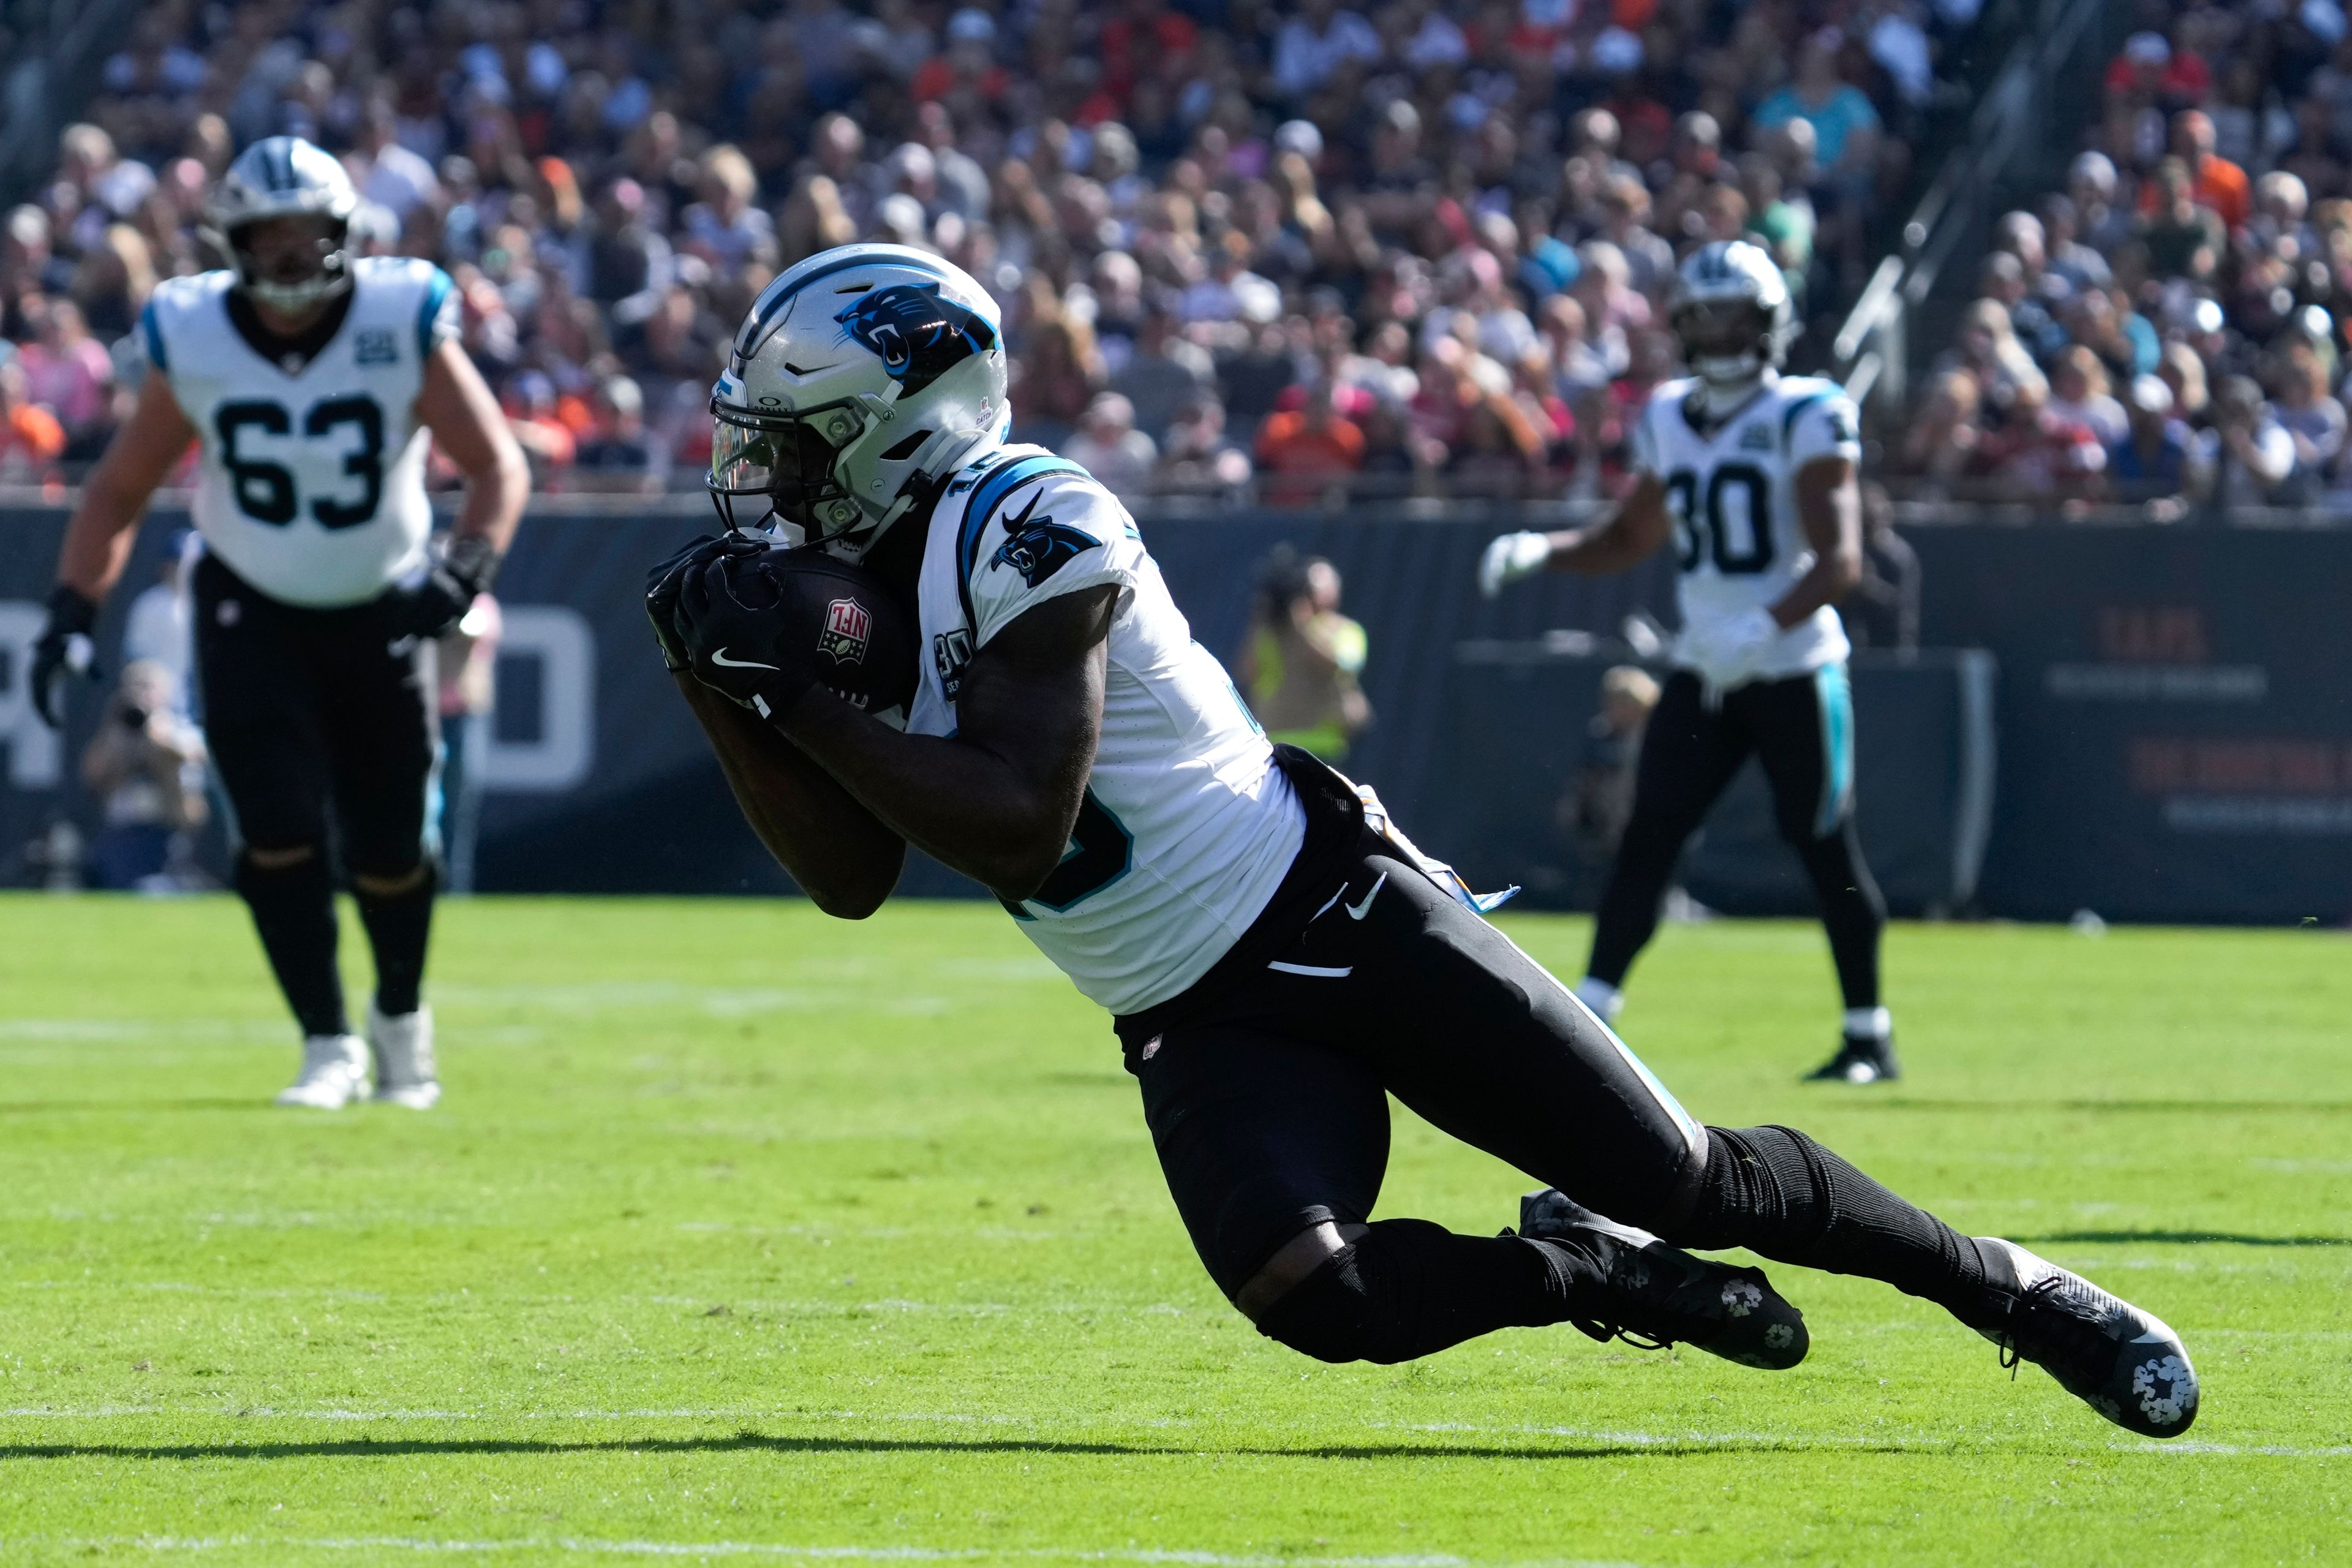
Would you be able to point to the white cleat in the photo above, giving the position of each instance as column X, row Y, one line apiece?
column 405, row 1072
column 334, row 1073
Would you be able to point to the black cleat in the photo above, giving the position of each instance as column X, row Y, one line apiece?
column 1660, row 1294
column 2121, row 1362
column 1860, row 1059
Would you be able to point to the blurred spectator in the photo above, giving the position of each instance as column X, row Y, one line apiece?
column 146, row 764
column 2078, row 392
column 2315, row 421
column 1172, row 202
column 1593, row 810
column 2255, row 455
column 1303, row 450
column 2155, row 461
column 31, row 439
column 1165, row 374
column 1109, row 447
column 157, row 630
column 1940, row 443
column 1196, row 457
column 1304, row 661
column 1882, row 610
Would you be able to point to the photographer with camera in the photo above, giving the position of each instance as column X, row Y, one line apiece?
column 147, row 762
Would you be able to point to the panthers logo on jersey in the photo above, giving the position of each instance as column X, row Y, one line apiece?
column 920, row 335
column 1037, row 547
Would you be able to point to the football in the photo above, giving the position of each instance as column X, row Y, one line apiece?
column 861, row 631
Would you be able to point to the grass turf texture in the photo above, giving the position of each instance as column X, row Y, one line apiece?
column 744, row 1230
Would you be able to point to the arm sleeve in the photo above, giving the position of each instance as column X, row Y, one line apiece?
column 1825, row 426
column 1643, row 444
column 437, row 315
column 1049, row 530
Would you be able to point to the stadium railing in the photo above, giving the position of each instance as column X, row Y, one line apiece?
column 2038, row 88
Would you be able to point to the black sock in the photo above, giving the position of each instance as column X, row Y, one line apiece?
column 294, row 909
column 1776, row 1192
column 398, row 926
column 1407, row 1287
column 1853, row 912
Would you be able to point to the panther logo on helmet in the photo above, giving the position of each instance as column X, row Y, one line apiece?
column 919, row 335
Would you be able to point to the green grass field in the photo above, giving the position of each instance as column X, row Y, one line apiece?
column 746, row 1233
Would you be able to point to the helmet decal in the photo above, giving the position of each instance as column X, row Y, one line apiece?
column 920, row 334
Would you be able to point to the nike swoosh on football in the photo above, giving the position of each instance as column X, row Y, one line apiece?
column 721, row 659
column 1358, row 911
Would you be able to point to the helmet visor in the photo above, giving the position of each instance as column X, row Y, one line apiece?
column 788, row 460
column 1720, row 328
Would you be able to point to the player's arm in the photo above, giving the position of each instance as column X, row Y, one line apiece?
column 1829, row 509
column 115, row 495
column 456, row 405
column 98, row 536
column 998, row 799
column 843, row 859
column 1628, row 535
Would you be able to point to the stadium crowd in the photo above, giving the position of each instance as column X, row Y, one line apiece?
column 1419, row 248
column 2169, row 328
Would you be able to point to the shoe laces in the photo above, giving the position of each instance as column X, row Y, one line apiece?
column 2055, row 1319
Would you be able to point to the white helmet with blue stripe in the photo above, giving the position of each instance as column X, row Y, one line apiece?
column 1731, row 309
column 286, row 177
column 862, row 377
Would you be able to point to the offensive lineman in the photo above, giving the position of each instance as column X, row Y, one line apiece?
column 316, row 383
column 1276, row 956
column 1752, row 475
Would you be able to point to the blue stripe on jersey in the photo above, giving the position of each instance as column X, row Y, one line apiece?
column 154, row 335
column 1790, row 414
column 1835, row 695
column 992, row 494
column 436, row 293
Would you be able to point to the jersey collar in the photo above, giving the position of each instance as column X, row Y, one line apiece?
column 291, row 356
column 1694, row 409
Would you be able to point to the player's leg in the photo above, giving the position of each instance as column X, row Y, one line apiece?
column 1778, row 1193
column 1483, row 1043
column 255, row 674
column 1689, row 753
column 1274, row 1148
column 1803, row 734
column 1395, row 985
column 383, row 737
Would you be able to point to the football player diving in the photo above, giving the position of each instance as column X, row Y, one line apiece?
column 315, row 384
column 1751, row 474
column 1276, row 957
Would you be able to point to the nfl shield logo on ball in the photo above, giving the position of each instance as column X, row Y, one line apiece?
column 846, row 625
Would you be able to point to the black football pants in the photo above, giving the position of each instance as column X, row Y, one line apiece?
column 1269, row 1110
column 1801, row 731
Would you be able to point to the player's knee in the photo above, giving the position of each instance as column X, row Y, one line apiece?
column 392, row 884
column 1360, row 1304
column 282, row 857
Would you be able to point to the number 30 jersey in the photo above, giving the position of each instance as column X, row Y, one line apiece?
column 1187, row 827
column 312, row 487
column 1731, row 491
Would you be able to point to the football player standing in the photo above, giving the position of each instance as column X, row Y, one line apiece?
column 1752, row 475
column 315, row 384
column 1276, row 957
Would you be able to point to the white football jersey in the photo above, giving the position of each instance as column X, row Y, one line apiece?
column 1188, row 825
column 1731, row 491
column 313, row 476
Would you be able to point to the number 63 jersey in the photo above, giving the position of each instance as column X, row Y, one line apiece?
column 1187, row 825
column 312, row 487
column 1731, row 492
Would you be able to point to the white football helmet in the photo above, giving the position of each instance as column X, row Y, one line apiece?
column 1730, row 307
column 285, row 176
column 862, row 378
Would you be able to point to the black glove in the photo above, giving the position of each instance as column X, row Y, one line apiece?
column 55, row 654
column 450, row 587
column 663, row 582
column 733, row 646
